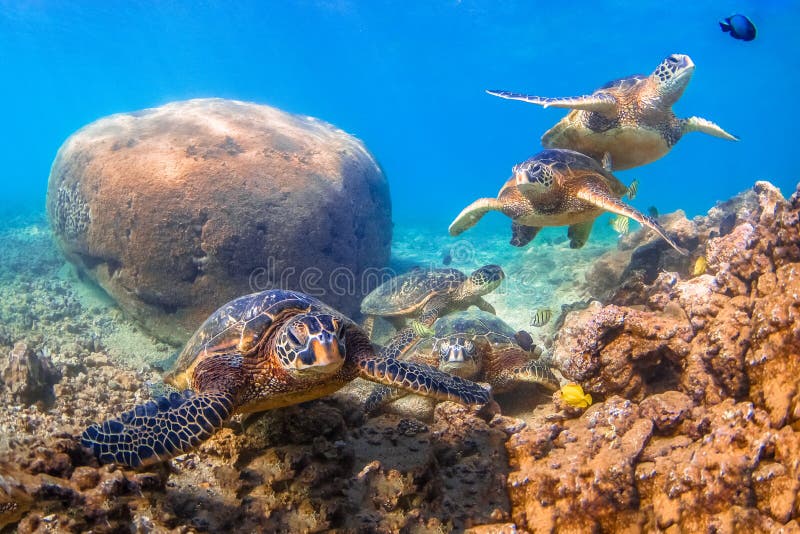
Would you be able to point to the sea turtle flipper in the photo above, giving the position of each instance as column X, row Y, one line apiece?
column 510, row 364
column 699, row 124
column 484, row 305
column 382, row 395
column 521, row 235
column 536, row 373
column 159, row 430
column 601, row 103
column 470, row 215
column 420, row 379
column 579, row 233
column 602, row 199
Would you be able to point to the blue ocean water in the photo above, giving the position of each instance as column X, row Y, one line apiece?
column 408, row 78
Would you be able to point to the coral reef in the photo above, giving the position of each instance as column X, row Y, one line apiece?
column 695, row 382
column 708, row 366
column 176, row 210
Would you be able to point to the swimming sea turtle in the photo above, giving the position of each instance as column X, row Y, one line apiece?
column 553, row 188
column 630, row 119
column 430, row 293
column 258, row 352
column 478, row 346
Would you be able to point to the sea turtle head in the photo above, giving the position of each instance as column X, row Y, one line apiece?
column 672, row 76
column 311, row 344
column 483, row 281
column 458, row 355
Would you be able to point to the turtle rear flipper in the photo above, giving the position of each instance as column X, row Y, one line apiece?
column 521, row 235
column 600, row 198
column 422, row 380
column 699, row 124
column 578, row 234
column 470, row 215
column 601, row 103
column 159, row 430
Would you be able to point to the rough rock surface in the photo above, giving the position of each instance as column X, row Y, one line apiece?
column 695, row 425
column 178, row 209
column 706, row 438
column 27, row 376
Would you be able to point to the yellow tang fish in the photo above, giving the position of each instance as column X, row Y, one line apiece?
column 573, row 395
column 541, row 317
column 620, row 224
column 633, row 189
column 699, row 266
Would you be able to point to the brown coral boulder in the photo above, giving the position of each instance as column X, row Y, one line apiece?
column 176, row 210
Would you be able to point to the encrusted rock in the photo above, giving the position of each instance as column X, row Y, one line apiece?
column 176, row 210
column 667, row 409
column 28, row 376
column 617, row 350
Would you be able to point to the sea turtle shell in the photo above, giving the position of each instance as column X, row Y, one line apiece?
column 475, row 323
column 407, row 293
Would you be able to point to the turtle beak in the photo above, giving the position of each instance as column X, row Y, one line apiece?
column 322, row 354
column 456, row 355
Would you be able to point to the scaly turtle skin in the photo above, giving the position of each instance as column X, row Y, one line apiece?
column 557, row 187
column 429, row 294
column 259, row 352
column 478, row 346
column 630, row 119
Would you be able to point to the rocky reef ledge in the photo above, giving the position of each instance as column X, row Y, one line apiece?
column 694, row 367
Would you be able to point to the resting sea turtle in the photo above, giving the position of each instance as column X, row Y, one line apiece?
column 553, row 188
column 478, row 346
column 630, row 119
column 430, row 294
column 258, row 352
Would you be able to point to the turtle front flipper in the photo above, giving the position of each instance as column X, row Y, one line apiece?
column 601, row 103
column 484, row 305
column 382, row 395
column 420, row 379
column 510, row 365
column 535, row 373
column 470, row 215
column 159, row 430
column 578, row 234
column 521, row 235
column 602, row 199
column 699, row 124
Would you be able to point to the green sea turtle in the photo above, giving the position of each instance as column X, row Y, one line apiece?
column 259, row 352
column 630, row 119
column 478, row 346
column 429, row 293
column 553, row 188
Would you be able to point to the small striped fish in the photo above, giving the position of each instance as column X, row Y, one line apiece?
column 633, row 189
column 620, row 224
column 541, row 317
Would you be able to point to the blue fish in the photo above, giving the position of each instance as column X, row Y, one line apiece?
column 740, row 27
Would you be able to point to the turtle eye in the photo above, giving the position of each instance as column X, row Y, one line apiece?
column 444, row 348
column 293, row 337
column 469, row 346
